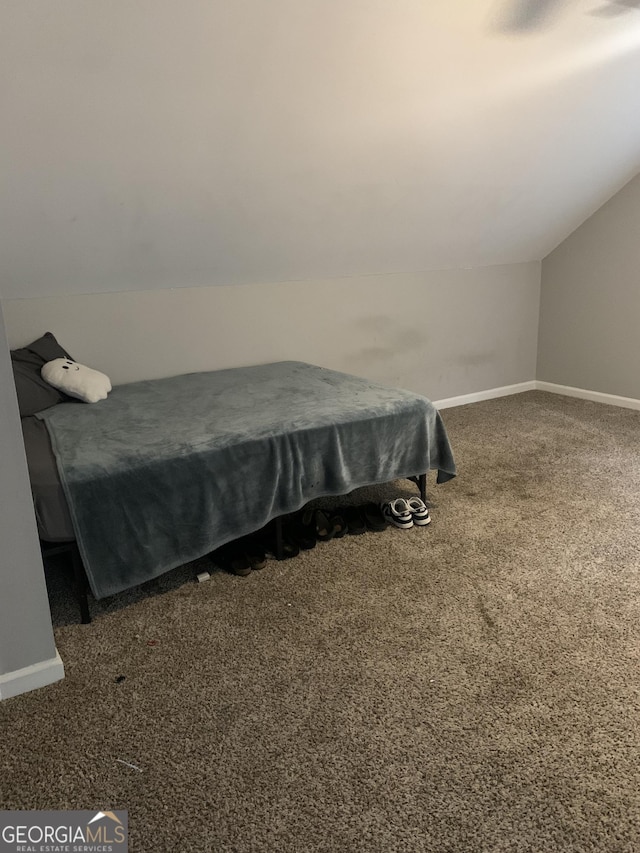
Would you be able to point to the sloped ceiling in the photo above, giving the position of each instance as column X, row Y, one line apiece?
column 167, row 143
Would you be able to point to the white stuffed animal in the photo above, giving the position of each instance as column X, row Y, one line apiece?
column 76, row 380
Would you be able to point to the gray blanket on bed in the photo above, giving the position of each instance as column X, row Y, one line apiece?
column 165, row 471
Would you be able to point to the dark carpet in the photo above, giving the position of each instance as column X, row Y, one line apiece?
column 470, row 686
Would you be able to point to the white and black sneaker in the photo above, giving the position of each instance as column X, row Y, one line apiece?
column 419, row 512
column 397, row 512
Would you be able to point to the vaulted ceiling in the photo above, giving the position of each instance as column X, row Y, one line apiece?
column 194, row 142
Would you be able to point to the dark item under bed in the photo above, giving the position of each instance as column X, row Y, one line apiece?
column 164, row 471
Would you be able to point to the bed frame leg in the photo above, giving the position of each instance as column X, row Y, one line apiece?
column 81, row 585
column 278, row 527
column 422, row 484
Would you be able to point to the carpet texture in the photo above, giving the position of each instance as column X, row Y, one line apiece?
column 470, row 686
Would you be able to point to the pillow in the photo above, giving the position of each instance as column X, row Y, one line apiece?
column 76, row 380
column 34, row 394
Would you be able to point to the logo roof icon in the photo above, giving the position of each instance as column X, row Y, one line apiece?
column 110, row 815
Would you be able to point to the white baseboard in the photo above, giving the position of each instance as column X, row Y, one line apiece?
column 31, row 677
column 537, row 385
column 478, row 396
column 594, row 396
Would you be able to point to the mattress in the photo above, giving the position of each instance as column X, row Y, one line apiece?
column 49, row 502
column 164, row 471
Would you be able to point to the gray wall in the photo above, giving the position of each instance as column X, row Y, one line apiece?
column 589, row 334
column 441, row 333
column 26, row 637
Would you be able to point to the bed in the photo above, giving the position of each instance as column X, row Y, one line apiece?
column 165, row 471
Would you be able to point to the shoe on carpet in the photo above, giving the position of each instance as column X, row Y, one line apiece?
column 397, row 512
column 419, row 512
column 373, row 517
column 323, row 526
column 355, row 522
column 232, row 558
column 301, row 528
column 267, row 538
column 254, row 551
column 339, row 524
